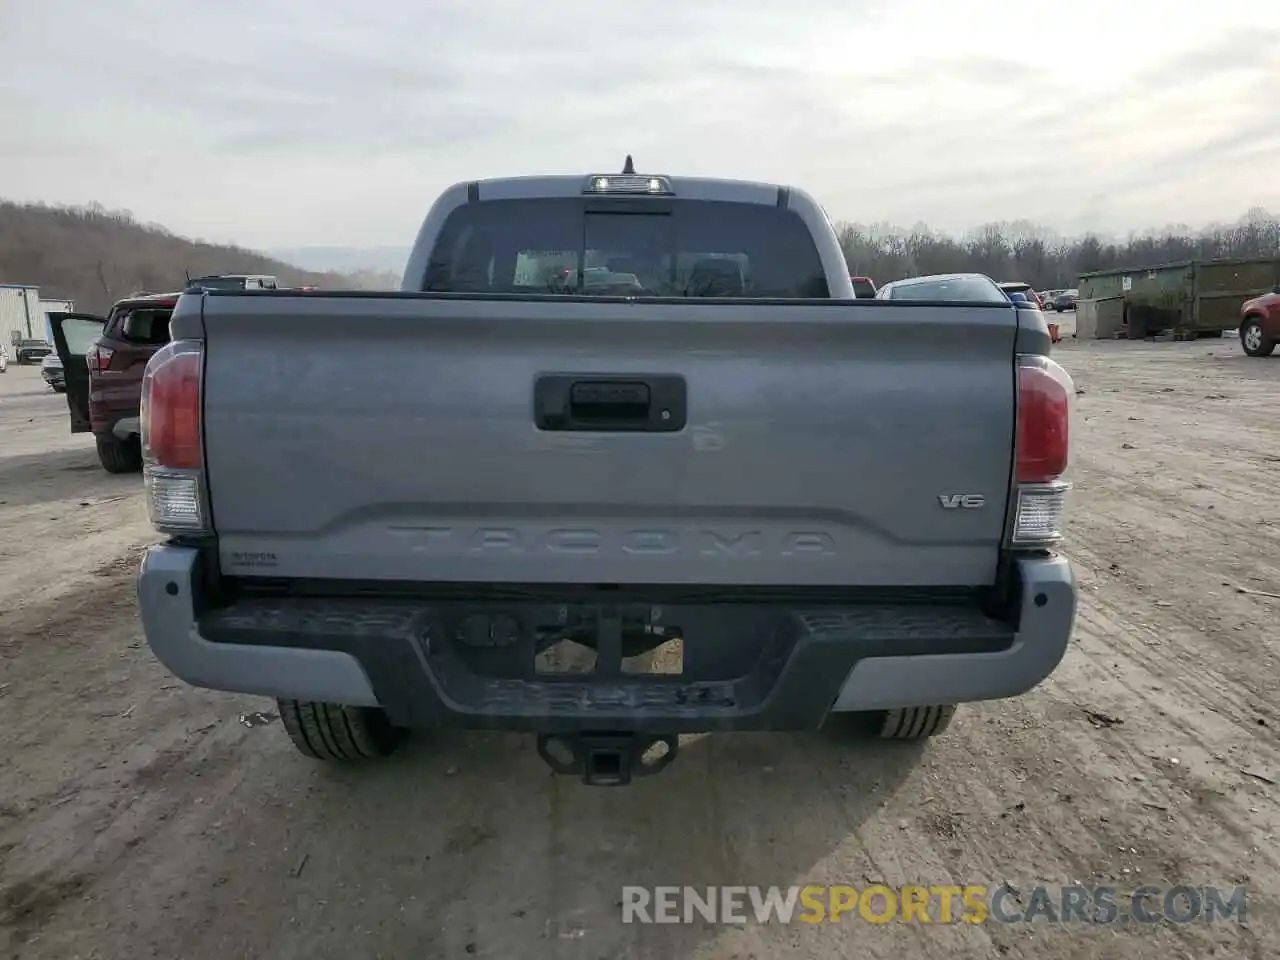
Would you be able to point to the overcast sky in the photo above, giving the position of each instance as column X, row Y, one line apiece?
column 322, row 122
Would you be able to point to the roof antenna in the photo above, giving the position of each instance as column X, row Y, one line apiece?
column 629, row 167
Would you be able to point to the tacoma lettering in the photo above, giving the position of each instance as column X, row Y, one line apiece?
column 585, row 541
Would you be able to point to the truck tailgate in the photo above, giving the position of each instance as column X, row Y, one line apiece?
column 394, row 437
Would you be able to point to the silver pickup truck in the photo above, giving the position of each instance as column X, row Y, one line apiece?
column 625, row 459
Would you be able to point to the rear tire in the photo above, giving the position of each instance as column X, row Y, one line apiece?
column 120, row 456
column 58, row 389
column 1253, row 341
column 331, row 731
column 915, row 723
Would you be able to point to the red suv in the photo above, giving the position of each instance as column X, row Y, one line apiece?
column 104, row 359
column 1260, row 324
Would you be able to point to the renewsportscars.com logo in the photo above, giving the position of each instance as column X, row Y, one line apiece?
column 944, row 903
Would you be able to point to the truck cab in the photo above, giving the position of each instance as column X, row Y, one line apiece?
column 30, row 351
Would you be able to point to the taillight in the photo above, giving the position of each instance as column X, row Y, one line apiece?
column 1045, row 392
column 172, row 445
column 1044, row 419
column 98, row 357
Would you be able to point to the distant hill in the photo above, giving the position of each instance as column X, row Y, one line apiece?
column 95, row 256
column 388, row 261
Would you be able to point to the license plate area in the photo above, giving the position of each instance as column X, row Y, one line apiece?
column 604, row 642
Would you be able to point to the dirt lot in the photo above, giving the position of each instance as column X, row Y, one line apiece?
column 141, row 818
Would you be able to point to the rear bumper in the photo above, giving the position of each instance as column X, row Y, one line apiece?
column 122, row 428
column 115, row 406
column 816, row 661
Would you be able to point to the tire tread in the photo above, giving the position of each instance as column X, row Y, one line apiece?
column 331, row 731
column 916, row 723
column 119, row 456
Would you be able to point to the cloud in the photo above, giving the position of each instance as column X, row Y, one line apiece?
column 279, row 122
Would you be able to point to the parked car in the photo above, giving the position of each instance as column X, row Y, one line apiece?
column 26, row 352
column 1065, row 300
column 363, row 522
column 1017, row 286
column 1260, row 324
column 103, row 360
column 1026, row 304
column 52, row 371
column 4, row 359
column 864, row 288
column 1026, row 288
column 958, row 287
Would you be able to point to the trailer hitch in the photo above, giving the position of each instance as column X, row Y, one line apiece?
column 607, row 759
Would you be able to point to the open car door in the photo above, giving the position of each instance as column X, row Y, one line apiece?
column 73, row 334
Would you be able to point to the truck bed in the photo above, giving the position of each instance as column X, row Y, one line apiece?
column 397, row 437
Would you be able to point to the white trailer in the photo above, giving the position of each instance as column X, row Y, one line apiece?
column 21, row 317
column 54, row 306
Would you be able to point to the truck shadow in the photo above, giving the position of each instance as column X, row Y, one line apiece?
column 470, row 827
column 30, row 479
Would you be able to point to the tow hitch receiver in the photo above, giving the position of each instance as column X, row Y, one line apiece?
column 607, row 759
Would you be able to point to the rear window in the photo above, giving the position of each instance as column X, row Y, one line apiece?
column 695, row 248
column 863, row 288
column 964, row 289
column 143, row 325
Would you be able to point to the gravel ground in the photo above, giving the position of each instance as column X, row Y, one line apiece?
column 142, row 818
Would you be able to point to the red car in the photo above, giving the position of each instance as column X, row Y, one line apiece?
column 864, row 288
column 104, row 359
column 1260, row 324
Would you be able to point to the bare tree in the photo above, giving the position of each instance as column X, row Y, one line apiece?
column 94, row 255
column 1032, row 254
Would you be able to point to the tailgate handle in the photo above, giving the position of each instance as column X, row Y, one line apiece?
column 609, row 400
column 610, row 403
